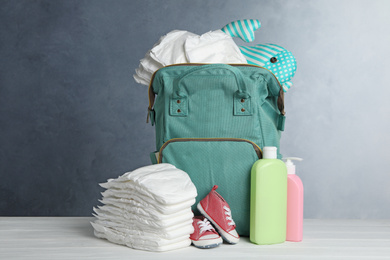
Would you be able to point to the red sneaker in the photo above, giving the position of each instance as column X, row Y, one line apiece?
column 204, row 235
column 216, row 209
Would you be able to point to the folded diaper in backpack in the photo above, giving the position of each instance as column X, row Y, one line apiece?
column 213, row 47
column 185, row 47
column 148, row 209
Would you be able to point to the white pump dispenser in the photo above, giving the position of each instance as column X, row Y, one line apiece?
column 290, row 165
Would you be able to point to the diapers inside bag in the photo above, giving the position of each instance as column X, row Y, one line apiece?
column 185, row 47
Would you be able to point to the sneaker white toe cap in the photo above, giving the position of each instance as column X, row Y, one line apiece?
column 231, row 237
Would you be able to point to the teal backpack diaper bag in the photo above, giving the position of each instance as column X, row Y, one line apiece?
column 212, row 121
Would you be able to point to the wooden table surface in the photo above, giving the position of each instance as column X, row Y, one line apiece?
column 72, row 238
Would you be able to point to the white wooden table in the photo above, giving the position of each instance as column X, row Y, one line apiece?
column 72, row 238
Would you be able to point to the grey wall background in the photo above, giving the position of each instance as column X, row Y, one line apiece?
column 72, row 116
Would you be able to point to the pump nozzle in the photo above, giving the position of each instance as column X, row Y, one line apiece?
column 290, row 165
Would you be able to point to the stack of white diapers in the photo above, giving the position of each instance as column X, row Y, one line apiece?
column 148, row 209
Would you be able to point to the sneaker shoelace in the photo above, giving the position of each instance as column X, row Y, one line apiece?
column 204, row 225
column 228, row 214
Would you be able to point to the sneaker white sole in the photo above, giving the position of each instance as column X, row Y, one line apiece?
column 207, row 243
column 225, row 235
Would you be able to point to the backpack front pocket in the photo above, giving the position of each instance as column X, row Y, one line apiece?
column 225, row 162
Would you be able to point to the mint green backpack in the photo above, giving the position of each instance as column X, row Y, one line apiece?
column 212, row 121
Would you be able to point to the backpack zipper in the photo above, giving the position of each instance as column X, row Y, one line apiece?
column 222, row 139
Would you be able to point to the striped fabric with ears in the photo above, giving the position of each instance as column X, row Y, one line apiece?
column 244, row 29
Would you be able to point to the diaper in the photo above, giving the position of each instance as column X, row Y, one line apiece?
column 138, row 200
column 213, row 47
column 146, row 69
column 170, row 49
column 141, row 80
column 185, row 47
column 145, row 223
column 163, row 183
column 128, row 228
column 139, row 208
column 136, row 242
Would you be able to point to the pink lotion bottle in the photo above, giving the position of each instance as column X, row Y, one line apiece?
column 294, row 202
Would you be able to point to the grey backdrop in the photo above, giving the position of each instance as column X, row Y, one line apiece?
column 72, row 116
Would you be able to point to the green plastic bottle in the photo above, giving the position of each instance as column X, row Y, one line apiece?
column 268, row 202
